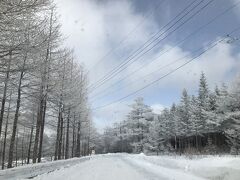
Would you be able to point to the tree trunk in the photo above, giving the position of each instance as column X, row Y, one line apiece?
column 61, row 110
column 58, row 134
column 16, row 158
column 61, row 114
column 88, row 146
column 5, row 133
column 180, row 145
column 23, row 145
column 45, row 87
column 43, row 100
column 10, row 157
column 5, row 92
column 197, row 142
column 60, row 137
column 38, row 126
column 42, row 130
column 77, row 153
column 63, row 143
column 73, row 138
column 67, row 137
column 30, row 143
column 175, row 142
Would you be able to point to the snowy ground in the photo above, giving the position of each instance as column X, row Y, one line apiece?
column 131, row 167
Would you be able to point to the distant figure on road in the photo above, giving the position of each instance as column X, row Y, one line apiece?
column 93, row 152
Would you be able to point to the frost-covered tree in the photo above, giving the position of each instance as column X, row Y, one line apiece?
column 203, row 100
column 231, row 123
column 184, row 114
column 175, row 123
column 198, row 124
column 138, row 121
column 42, row 86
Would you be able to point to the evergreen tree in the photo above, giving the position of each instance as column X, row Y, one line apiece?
column 196, row 123
column 203, row 104
column 160, row 132
column 138, row 121
column 231, row 123
column 184, row 114
column 175, row 123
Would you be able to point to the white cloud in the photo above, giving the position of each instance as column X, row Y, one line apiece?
column 217, row 64
column 157, row 108
column 95, row 28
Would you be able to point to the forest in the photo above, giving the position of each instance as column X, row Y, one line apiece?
column 45, row 113
column 44, row 103
column 205, row 123
column 120, row 90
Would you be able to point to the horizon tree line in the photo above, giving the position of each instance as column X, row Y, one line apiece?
column 205, row 123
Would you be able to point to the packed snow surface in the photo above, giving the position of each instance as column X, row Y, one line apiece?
column 131, row 167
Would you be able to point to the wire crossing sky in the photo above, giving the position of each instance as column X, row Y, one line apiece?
column 126, row 45
column 153, row 39
column 173, row 62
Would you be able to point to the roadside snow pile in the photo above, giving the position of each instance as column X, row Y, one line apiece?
column 131, row 167
column 207, row 167
column 32, row 170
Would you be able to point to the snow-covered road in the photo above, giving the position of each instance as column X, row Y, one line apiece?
column 131, row 167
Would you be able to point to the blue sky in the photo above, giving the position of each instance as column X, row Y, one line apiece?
column 94, row 28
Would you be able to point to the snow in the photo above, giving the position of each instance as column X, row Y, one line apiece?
column 32, row 170
column 131, row 167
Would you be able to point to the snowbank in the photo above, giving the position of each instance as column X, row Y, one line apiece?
column 131, row 167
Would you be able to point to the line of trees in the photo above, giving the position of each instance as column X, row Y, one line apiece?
column 208, row 122
column 43, row 100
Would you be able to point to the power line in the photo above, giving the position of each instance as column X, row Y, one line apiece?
column 127, row 36
column 154, row 45
column 161, row 67
column 151, row 39
column 180, row 42
column 153, row 82
column 167, row 74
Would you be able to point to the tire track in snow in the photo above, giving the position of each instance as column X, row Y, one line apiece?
column 155, row 171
